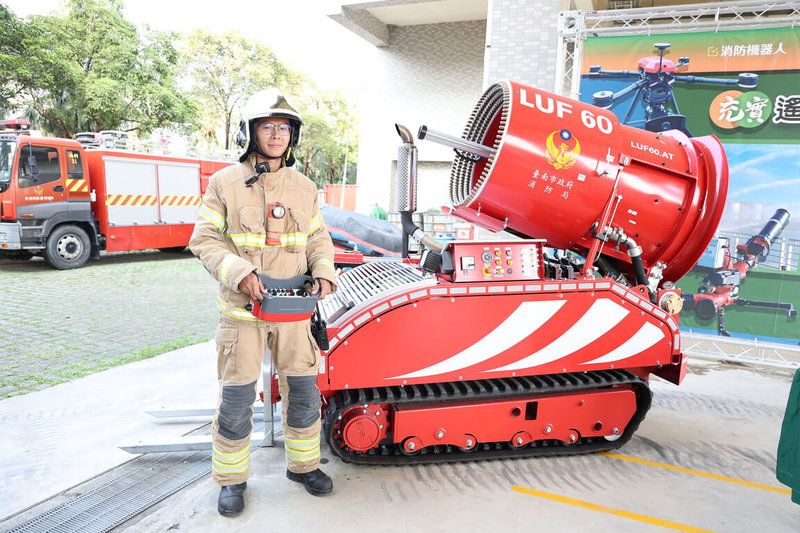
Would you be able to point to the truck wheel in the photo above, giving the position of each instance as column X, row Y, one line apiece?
column 67, row 247
column 172, row 249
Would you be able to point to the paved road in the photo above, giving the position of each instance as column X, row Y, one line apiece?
column 58, row 325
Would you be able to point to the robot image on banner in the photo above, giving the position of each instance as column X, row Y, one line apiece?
column 653, row 96
column 720, row 288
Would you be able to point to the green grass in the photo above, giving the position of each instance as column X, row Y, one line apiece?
column 23, row 381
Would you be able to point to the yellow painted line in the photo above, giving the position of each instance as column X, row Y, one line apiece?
column 697, row 473
column 610, row 510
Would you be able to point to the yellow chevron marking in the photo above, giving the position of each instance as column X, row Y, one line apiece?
column 700, row 473
column 610, row 510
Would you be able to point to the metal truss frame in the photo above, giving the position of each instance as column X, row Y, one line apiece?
column 573, row 29
column 719, row 348
column 575, row 26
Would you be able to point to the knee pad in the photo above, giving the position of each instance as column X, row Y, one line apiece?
column 234, row 417
column 304, row 401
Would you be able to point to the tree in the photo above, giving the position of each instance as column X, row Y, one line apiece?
column 329, row 135
column 91, row 70
column 224, row 70
column 11, row 66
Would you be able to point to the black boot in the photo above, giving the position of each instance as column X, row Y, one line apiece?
column 316, row 482
column 231, row 499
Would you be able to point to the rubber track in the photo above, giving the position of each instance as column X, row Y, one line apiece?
column 528, row 386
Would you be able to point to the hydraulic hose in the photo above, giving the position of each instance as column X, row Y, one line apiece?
column 411, row 229
column 634, row 252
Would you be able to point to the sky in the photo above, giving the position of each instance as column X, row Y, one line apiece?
column 763, row 177
column 298, row 31
column 759, row 172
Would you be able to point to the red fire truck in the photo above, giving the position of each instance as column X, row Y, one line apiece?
column 67, row 201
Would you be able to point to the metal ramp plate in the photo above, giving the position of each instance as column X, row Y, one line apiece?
column 192, row 442
column 203, row 442
column 123, row 497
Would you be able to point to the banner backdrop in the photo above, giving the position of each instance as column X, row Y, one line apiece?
column 744, row 87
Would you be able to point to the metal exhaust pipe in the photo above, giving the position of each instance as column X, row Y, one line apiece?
column 406, row 195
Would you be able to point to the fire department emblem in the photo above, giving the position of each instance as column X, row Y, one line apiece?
column 38, row 191
column 565, row 153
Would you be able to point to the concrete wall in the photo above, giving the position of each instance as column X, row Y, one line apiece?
column 434, row 75
column 428, row 74
column 521, row 42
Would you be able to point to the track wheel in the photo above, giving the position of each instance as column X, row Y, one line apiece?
column 363, row 427
column 616, row 433
column 67, row 247
column 470, row 443
column 411, row 446
column 574, row 437
column 522, row 438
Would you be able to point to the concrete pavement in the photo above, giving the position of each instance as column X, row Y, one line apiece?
column 723, row 421
column 59, row 437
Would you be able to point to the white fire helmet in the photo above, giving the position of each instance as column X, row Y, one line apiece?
column 267, row 103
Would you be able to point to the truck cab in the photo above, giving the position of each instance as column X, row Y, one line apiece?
column 45, row 199
column 67, row 200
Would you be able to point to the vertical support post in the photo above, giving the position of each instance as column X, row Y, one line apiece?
column 269, row 407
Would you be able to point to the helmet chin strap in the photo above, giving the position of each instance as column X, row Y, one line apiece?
column 257, row 149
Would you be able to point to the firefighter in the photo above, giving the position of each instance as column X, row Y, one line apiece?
column 263, row 216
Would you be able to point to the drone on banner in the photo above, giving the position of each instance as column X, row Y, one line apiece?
column 653, row 91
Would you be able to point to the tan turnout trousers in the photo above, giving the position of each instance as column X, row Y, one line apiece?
column 240, row 352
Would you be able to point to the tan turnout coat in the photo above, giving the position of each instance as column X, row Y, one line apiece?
column 236, row 232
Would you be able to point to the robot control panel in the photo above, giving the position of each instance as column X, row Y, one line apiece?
column 496, row 261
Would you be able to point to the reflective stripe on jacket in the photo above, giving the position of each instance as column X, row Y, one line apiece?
column 273, row 227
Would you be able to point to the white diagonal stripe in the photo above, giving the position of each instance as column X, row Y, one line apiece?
column 525, row 319
column 643, row 339
column 598, row 320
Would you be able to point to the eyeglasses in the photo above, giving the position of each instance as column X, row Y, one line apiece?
column 283, row 129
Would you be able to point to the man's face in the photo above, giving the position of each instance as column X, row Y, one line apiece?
column 273, row 143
